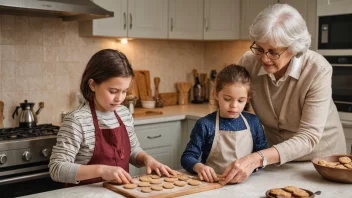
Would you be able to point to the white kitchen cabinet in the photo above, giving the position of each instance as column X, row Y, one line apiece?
column 308, row 10
column 148, row 18
column 249, row 10
column 111, row 27
column 221, row 19
column 334, row 7
column 132, row 18
column 160, row 140
column 186, row 19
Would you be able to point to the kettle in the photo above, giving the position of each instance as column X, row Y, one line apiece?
column 27, row 117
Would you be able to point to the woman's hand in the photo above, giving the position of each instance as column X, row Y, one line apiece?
column 153, row 165
column 206, row 173
column 240, row 169
column 115, row 173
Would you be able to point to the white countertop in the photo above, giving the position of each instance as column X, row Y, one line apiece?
column 301, row 174
column 176, row 112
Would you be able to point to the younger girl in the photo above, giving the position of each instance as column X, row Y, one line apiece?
column 225, row 135
column 96, row 141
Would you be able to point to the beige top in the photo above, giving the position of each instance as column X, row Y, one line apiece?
column 306, row 124
column 229, row 146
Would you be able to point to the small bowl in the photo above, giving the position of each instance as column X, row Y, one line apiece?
column 148, row 104
column 333, row 174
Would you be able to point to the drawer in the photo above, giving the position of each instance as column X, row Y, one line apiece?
column 155, row 135
column 347, row 129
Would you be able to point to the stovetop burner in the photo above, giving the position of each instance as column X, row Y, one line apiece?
column 19, row 133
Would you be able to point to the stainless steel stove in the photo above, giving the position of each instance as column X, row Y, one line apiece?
column 25, row 154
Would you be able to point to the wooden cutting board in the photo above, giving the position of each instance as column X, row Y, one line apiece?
column 145, row 112
column 168, row 99
column 175, row 192
column 142, row 78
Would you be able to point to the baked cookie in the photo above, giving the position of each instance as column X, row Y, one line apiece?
column 300, row 193
column 146, row 190
column 170, row 179
column 155, row 181
column 154, row 176
column 345, row 160
column 291, row 188
column 331, row 165
column 322, row 162
column 349, row 166
column 180, row 183
column 280, row 192
column 157, row 188
column 340, row 167
column 143, row 184
column 130, row 186
column 168, row 186
column 193, row 182
column 183, row 177
column 145, row 179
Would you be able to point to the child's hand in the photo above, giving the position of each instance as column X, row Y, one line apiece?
column 115, row 173
column 153, row 165
column 206, row 173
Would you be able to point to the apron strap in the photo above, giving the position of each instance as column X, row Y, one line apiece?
column 94, row 115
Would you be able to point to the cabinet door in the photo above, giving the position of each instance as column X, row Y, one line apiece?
column 334, row 7
column 163, row 155
column 186, row 19
column 347, row 129
column 148, row 18
column 221, row 19
column 112, row 27
column 249, row 10
column 308, row 10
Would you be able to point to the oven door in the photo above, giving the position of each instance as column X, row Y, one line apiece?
column 342, row 87
column 335, row 32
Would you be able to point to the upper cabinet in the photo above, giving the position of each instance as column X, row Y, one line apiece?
column 114, row 27
column 186, row 19
column 333, row 7
column 249, row 10
column 221, row 19
column 132, row 18
column 148, row 18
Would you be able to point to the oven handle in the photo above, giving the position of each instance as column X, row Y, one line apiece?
column 24, row 178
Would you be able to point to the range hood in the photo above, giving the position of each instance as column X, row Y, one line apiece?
column 68, row 10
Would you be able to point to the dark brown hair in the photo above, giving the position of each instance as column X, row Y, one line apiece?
column 233, row 74
column 102, row 66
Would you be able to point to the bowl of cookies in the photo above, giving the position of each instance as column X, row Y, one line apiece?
column 289, row 191
column 336, row 168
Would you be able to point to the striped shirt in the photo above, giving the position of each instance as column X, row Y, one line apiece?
column 76, row 140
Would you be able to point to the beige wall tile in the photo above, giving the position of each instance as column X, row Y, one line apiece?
column 8, row 22
column 8, row 37
column 8, row 52
column 21, row 23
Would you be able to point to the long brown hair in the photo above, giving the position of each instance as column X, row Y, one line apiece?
column 233, row 74
column 102, row 66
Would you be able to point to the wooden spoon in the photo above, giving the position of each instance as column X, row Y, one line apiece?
column 156, row 82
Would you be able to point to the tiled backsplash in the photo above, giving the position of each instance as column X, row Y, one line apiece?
column 42, row 59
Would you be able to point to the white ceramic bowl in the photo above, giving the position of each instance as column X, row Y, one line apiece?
column 148, row 104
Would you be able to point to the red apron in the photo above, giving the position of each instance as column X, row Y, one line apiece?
column 112, row 146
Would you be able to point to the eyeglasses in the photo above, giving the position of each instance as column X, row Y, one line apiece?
column 270, row 54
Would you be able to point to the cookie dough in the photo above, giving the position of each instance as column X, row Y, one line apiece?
column 345, row 160
column 155, row 181
column 170, row 179
column 157, row 188
column 180, row 183
column 154, row 176
column 143, row 184
column 168, row 186
column 145, row 179
column 193, row 182
column 130, row 186
column 146, row 190
column 183, row 177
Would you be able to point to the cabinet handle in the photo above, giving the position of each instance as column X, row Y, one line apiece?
column 124, row 21
column 153, row 137
column 130, row 21
column 172, row 24
column 206, row 24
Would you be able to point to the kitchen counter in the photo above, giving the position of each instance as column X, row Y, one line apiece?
column 176, row 112
column 301, row 174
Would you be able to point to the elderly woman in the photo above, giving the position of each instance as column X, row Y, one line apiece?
column 292, row 94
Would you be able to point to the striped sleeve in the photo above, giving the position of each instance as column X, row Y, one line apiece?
column 69, row 138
